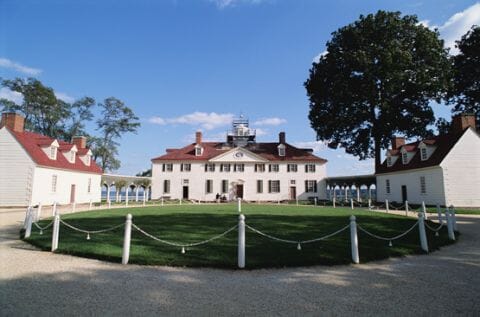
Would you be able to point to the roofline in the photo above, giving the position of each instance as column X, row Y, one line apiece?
column 410, row 170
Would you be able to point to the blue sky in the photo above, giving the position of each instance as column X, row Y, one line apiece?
column 189, row 65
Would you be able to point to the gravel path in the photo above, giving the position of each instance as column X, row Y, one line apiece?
column 446, row 282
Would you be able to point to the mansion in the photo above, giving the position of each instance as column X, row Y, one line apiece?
column 239, row 168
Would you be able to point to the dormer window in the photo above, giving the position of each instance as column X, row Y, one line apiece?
column 88, row 159
column 404, row 158
column 389, row 161
column 72, row 157
column 281, row 150
column 53, row 153
column 423, row 153
column 198, row 150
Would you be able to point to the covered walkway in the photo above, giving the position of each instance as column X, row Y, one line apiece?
column 124, row 187
column 358, row 187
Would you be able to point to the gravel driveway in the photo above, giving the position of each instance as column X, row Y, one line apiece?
column 446, row 282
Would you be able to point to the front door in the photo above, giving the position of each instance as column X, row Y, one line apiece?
column 293, row 193
column 404, row 193
column 72, row 194
column 240, row 191
column 185, row 192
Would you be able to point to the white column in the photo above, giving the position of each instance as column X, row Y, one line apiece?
column 421, row 230
column 29, row 220
column 354, row 240
column 346, row 193
column 241, row 241
column 127, row 188
column 126, row 239
column 136, row 193
column 358, row 193
column 333, row 201
column 239, row 204
column 108, row 193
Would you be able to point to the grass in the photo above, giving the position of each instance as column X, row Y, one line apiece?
column 192, row 223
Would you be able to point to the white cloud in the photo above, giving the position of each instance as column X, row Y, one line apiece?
column 270, row 121
column 6, row 63
column 261, row 132
column 207, row 121
column 230, row 3
column 459, row 24
column 8, row 94
column 317, row 146
column 65, row 97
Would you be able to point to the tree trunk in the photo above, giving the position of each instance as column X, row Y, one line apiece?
column 378, row 153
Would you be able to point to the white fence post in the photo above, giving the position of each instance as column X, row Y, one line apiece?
column 28, row 229
column 109, row 204
column 351, row 203
column 162, row 201
column 406, row 207
column 54, row 208
column 421, row 230
column 424, row 210
column 144, row 199
column 239, row 204
column 451, row 233
column 56, row 231
column 241, row 241
column 315, row 201
column 296, row 200
column 126, row 195
column 439, row 213
column 386, row 205
column 126, row 239
column 39, row 212
column 454, row 218
column 90, row 205
column 354, row 240
column 369, row 203
column 333, row 201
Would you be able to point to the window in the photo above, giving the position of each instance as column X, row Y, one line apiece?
column 224, row 167
column 387, row 186
column 166, row 186
column 185, row 182
column 281, row 151
column 292, row 168
column 87, row 160
column 239, row 167
column 167, row 167
column 292, row 182
column 53, row 153
column 404, row 158
column 310, row 168
column 259, row 186
column 310, row 186
column 54, row 183
column 224, row 186
column 185, row 167
column 208, row 186
column 198, row 151
column 259, row 167
column 423, row 185
column 389, row 161
column 72, row 157
column 273, row 186
column 273, row 168
column 210, row 167
column 423, row 153
column 89, row 187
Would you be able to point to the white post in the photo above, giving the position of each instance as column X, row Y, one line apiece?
column 26, row 218
column 386, row 205
column 346, row 193
column 90, row 205
column 421, row 230
column 424, row 210
column 439, row 213
column 351, row 203
column 333, row 201
column 241, row 241
column 54, row 208
column 136, row 193
column 144, row 199
column 239, row 204
column 354, row 240
column 369, row 203
column 451, row 233
column 162, row 201
column 315, row 201
column 108, row 193
column 56, row 231
column 126, row 239
column 148, row 197
column 454, row 218
column 28, row 229
column 127, row 188
column 109, row 204
column 406, row 207
column 39, row 212
column 358, row 193
column 296, row 200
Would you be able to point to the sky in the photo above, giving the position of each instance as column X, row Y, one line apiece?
column 188, row 65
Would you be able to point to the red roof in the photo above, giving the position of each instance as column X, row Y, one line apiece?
column 32, row 143
column 268, row 151
column 443, row 144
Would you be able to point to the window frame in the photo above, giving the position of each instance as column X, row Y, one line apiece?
column 166, row 186
column 388, row 189
column 423, row 185
column 54, row 183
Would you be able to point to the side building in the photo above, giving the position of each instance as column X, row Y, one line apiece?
column 38, row 169
column 239, row 168
column 443, row 170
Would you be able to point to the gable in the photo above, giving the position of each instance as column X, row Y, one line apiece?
column 238, row 154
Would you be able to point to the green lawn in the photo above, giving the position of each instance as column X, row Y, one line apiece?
column 192, row 223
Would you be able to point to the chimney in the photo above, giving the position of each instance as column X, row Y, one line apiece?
column 80, row 141
column 13, row 121
column 281, row 138
column 198, row 137
column 397, row 142
column 462, row 121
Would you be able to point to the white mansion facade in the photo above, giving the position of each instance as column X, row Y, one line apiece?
column 239, row 168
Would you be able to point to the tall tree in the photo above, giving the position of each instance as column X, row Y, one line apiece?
column 81, row 111
column 116, row 120
column 465, row 92
column 375, row 80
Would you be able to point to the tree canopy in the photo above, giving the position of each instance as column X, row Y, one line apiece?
column 465, row 91
column 376, row 79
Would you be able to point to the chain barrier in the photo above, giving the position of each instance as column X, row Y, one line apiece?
column 91, row 231
column 384, row 238
column 434, row 229
column 295, row 241
column 186, row 244
column 43, row 228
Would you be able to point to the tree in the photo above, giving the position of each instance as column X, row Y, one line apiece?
column 146, row 173
column 81, row 111
column 376, row 80
column 116, row 120
column 465, row 92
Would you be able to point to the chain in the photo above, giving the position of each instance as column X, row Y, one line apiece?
column 43, row 228
column 387, row 239
column 434, row 229
column 91, row 231
column 186, row 244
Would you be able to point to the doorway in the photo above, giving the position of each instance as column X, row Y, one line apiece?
column 293, row 193
column 185, row 192
column 404, row 193
column 240, row 191
column 72, row 194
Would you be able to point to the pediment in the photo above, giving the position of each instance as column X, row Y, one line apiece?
column 238, row 154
